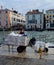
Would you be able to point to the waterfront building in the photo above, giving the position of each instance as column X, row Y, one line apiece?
column 34, row 20
column 9, row 18
column 49, row 16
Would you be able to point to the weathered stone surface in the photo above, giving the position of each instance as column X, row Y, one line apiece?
column 6, row 60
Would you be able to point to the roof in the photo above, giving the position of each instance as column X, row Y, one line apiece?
column 50, row 10
column 34, row 12
column 14, row 11
column 5, row 9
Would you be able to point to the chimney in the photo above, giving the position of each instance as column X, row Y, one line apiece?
column 12, row 9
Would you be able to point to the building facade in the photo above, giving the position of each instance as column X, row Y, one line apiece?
column 49, row 16
column 34, row 20
column 10, row 18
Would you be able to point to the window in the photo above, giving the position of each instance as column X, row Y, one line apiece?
column 32, row 21
column 40, row 26
column 0, row 17
column 31, row 26
column 50, row 11
column 51, row 25
column 14, row 19
column 47, row 21
column 0, row 12
column 24, row 21
column 6, row 17
column 28, row 17
column 21, row 21
column 36, row 21
column 47, row 25
column 40, row 21
column 53, row 16
column 53, row 21
column 29, row 21
column 33, row 17
column 35, row 27
column 50, row 16
column 6, row 23
column 28, row 26
column 6, row 11
column 0, row 22
column 46, row 11
column 50, row 22
column 18, row 20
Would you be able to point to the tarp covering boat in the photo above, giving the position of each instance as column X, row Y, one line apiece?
column 16, row 39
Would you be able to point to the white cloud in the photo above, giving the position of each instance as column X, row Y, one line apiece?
column 25, row 5
column 49, row 0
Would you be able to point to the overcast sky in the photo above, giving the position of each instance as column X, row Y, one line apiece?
column 25, row 5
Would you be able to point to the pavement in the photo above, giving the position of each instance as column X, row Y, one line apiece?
column 30, row 57
column 30, row 53
column 7, row 60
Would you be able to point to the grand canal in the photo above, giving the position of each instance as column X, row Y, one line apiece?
column 47, row 36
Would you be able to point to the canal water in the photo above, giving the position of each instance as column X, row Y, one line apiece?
column 47, row 36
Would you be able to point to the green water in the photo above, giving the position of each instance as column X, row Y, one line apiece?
column 47, row 36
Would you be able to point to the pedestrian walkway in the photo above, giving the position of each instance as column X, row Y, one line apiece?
column 30, row 53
